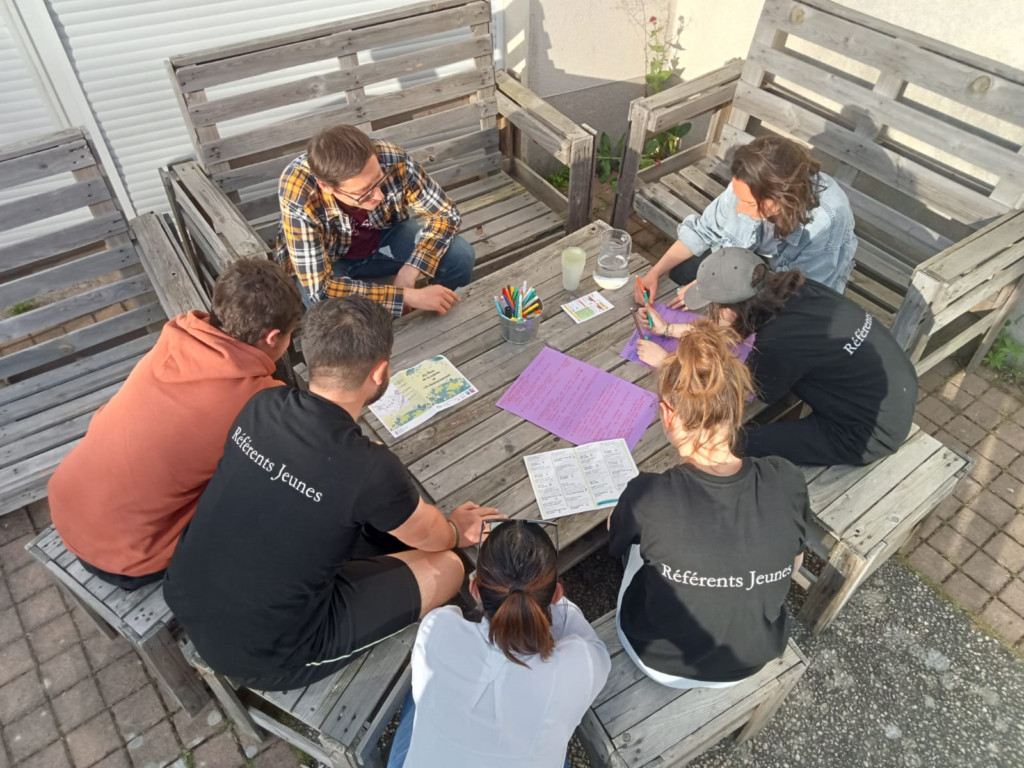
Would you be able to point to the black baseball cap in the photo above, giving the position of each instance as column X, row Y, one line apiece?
column 727, row 276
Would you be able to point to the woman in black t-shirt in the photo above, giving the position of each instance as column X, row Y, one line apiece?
column 823, row 347
column 713, row 542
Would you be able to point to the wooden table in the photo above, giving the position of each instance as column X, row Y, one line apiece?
column 474, row 451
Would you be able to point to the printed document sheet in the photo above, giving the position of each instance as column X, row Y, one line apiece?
column 580, row 479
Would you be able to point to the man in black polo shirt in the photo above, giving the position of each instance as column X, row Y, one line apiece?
column 288, row 570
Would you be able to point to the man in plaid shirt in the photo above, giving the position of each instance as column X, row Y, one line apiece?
column 344, row 218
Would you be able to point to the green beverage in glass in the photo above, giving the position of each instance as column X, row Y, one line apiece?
column 573, row 261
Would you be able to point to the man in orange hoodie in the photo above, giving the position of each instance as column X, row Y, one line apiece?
column 121, row 498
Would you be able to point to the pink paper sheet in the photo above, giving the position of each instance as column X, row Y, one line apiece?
column 676, row 317
column 578, row 402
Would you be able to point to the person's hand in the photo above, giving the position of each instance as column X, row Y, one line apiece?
column 660, row 326
column 679, row 300
column 650, row 353
column 406, row 277
column 650, row 282
column 468, row 518
column 435, row 298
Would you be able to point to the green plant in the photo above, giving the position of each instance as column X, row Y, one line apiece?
column 560, row 178
column 1004, row 351
column 21, row 307
column 187, row 758
column 658, row 64
column 658, row 69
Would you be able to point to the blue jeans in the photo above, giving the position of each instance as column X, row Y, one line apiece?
column 395, row 249
column 403, row 736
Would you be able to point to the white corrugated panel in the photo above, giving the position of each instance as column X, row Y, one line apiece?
column 119, row 47
column 24, row 115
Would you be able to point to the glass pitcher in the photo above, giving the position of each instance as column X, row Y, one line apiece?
column 612, row 270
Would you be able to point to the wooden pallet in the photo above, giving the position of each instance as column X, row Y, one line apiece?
column 864, row 515
column 338, row 720
column 919, row 180
column 226, row 202
column 68, row 356
column 636, row 722
column 141, row 617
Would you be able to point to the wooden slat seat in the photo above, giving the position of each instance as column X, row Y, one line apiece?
column 342, row 717
column 636, row 722
column 920, row 174
column 80, row 308
column 444, row 112
column 863, row 515
column 141, row 617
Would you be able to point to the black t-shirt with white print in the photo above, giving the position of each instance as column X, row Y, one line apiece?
column 255, row 576
column 842, row 362
column 709, row 602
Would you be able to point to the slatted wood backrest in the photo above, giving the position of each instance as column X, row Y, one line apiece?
column 78, row 287
column 251, row 107
column 926, row 138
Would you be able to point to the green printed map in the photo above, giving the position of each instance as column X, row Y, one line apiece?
column 417, row 393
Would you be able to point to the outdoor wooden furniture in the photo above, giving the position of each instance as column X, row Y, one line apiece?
column 141, row 617
column 338, row 720
column 474, row 451
column 444, row 109
column 872, row 110
column 65, row 355
column 636, row 722
column 985, row 271
column 863, row 515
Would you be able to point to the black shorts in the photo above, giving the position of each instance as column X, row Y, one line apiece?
column 377, row 597
column 119, row 580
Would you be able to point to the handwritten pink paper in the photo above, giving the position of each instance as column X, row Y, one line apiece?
column 676, row 317
column 578, row 402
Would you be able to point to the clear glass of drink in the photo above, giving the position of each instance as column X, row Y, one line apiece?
column 573, row 261
column 612, row 269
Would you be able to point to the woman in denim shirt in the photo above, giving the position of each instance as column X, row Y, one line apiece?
column 779, row 205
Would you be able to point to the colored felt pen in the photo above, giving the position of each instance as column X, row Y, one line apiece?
column 647, row 303
column 497, row 305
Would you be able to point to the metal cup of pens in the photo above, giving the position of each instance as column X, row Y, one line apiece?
column 519, row 313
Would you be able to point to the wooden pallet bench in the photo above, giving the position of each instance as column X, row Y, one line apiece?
column 141, row 617
column 864, row 515
column 914, row 213
column 445, row 112
column 636, row 722
column 67, row 356
column 338, row 720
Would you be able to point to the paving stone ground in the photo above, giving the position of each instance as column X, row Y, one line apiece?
column 972, row 545
column 71, row 698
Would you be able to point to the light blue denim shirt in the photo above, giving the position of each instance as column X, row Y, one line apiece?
column 822, row 249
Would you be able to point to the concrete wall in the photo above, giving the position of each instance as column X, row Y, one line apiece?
column 585, row 56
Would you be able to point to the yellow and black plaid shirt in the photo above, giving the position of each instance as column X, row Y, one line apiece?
column 315, row 231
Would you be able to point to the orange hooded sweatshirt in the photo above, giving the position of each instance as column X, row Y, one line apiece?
column 122, row 496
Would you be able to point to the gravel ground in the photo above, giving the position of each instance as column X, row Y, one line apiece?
column 901, row 678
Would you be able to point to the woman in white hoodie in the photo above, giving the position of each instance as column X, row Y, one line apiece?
column 510, row 690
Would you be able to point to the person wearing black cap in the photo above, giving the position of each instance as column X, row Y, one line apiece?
column 827, row 350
